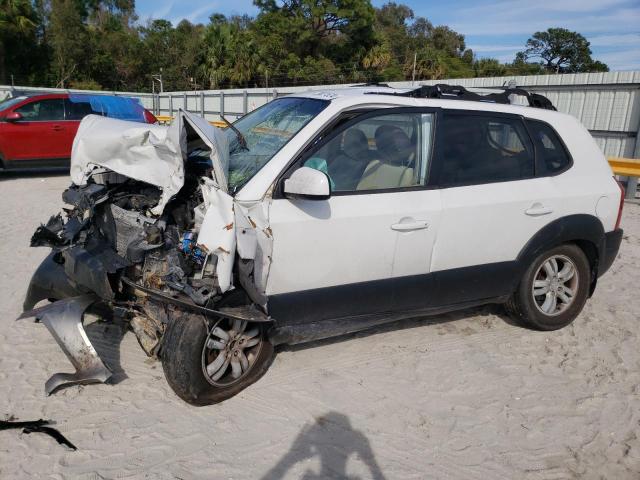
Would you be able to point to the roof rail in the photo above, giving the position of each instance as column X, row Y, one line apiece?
column 458, row 92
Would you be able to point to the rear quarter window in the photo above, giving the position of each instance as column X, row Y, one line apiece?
column 79, row 110
column 551, row 155
column 478, row 149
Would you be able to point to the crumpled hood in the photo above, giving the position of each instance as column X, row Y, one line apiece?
column 154, row 154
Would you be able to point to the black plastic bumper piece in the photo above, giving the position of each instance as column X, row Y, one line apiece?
column 50, row 281
column 612, row 241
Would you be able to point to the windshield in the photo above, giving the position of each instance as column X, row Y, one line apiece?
column 266, row 130
column 10, row 102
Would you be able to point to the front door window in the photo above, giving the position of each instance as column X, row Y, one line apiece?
column 383, row 152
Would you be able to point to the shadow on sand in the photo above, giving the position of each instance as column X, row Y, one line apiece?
column 333, row 441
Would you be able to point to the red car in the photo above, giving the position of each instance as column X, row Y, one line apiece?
column 38, row 130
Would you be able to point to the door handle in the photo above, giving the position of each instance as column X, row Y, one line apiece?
column 409, row 226
column 57, row 128
column 538, row 209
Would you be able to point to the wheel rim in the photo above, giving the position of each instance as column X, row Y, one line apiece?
column 230, row 351
column 555, row 285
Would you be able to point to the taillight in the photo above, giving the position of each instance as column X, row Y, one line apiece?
column 622, row 193
column 150, row 117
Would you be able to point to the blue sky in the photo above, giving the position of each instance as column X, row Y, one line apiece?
column 494, row 28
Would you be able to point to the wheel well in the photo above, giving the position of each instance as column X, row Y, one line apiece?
column 591, row 252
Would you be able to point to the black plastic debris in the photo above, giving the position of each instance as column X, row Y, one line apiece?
column 38, row 426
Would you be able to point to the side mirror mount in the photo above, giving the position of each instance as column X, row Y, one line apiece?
column 13, row 117
column 307, row 183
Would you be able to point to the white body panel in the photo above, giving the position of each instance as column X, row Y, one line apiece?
column 488, row 224
column 350, row 239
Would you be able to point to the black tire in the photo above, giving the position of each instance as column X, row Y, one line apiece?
column 522, row 305
column 182, row 353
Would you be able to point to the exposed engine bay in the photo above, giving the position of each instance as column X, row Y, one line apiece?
column 147, row 239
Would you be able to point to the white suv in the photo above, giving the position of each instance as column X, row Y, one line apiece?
column 320, row 214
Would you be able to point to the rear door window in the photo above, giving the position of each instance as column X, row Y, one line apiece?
column 49, row 110
column 483, row 149
column 552, row 157
column 79, row 110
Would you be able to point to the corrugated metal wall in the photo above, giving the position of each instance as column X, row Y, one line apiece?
column 146, row 99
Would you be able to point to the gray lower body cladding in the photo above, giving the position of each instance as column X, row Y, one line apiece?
column 63, row 319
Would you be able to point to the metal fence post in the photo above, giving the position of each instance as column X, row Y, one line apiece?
column 221, row 104
column 245, row 102
column 632, row 188
column 170, row 105
column 184, row 97
column 202, row 104
column 632, row 182
column 275, row 94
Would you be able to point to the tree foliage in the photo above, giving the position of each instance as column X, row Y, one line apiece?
column 101, row 44
column 559, row 50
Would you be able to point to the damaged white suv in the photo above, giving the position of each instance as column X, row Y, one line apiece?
column 320, row 214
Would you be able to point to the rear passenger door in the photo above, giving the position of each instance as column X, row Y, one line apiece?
column 75, row 111
column 492, row 203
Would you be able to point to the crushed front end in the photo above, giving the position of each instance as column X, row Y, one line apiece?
column 149, row 230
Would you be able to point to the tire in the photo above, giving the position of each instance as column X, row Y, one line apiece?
column 539, row 312
column 183, row 355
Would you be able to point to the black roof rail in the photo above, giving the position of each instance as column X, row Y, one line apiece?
column 458, row 92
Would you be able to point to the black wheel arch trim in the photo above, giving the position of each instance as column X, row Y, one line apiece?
column 578, row 228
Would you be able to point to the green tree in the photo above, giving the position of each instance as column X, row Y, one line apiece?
column 69, row 40
column 18, row 24
column 340, row 31
column 559, row 50
column 489, row 67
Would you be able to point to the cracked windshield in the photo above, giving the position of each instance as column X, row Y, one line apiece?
column 263, row 132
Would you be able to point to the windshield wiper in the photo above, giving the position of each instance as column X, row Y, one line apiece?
column 241, row 140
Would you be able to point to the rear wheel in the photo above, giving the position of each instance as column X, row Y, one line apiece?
column 553, row 290
column 206, row 362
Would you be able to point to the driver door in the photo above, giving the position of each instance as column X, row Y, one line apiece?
column 343, row 256
column 41, row 133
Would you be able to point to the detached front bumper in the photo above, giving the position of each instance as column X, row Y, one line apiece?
column 50, row 281
column 63, row 319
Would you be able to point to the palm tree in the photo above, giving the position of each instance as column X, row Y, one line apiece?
column 17, row 18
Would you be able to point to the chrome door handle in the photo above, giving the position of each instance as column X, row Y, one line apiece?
column 409, row 226
column 538, row 209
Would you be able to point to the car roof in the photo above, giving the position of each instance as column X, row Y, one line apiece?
column 390, row 96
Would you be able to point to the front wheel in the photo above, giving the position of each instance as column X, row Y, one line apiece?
column 206, row 362
column 553, row 290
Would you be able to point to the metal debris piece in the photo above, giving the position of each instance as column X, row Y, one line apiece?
column 39, row 426
column 63, row 319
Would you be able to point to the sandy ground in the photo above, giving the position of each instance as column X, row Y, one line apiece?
column 465, row 395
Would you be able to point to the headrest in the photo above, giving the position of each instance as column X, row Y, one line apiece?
column 393, row 144
column 355, row 143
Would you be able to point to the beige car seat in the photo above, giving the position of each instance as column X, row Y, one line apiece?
column 391, row 169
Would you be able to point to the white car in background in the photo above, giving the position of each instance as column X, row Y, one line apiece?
column 320, row 214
